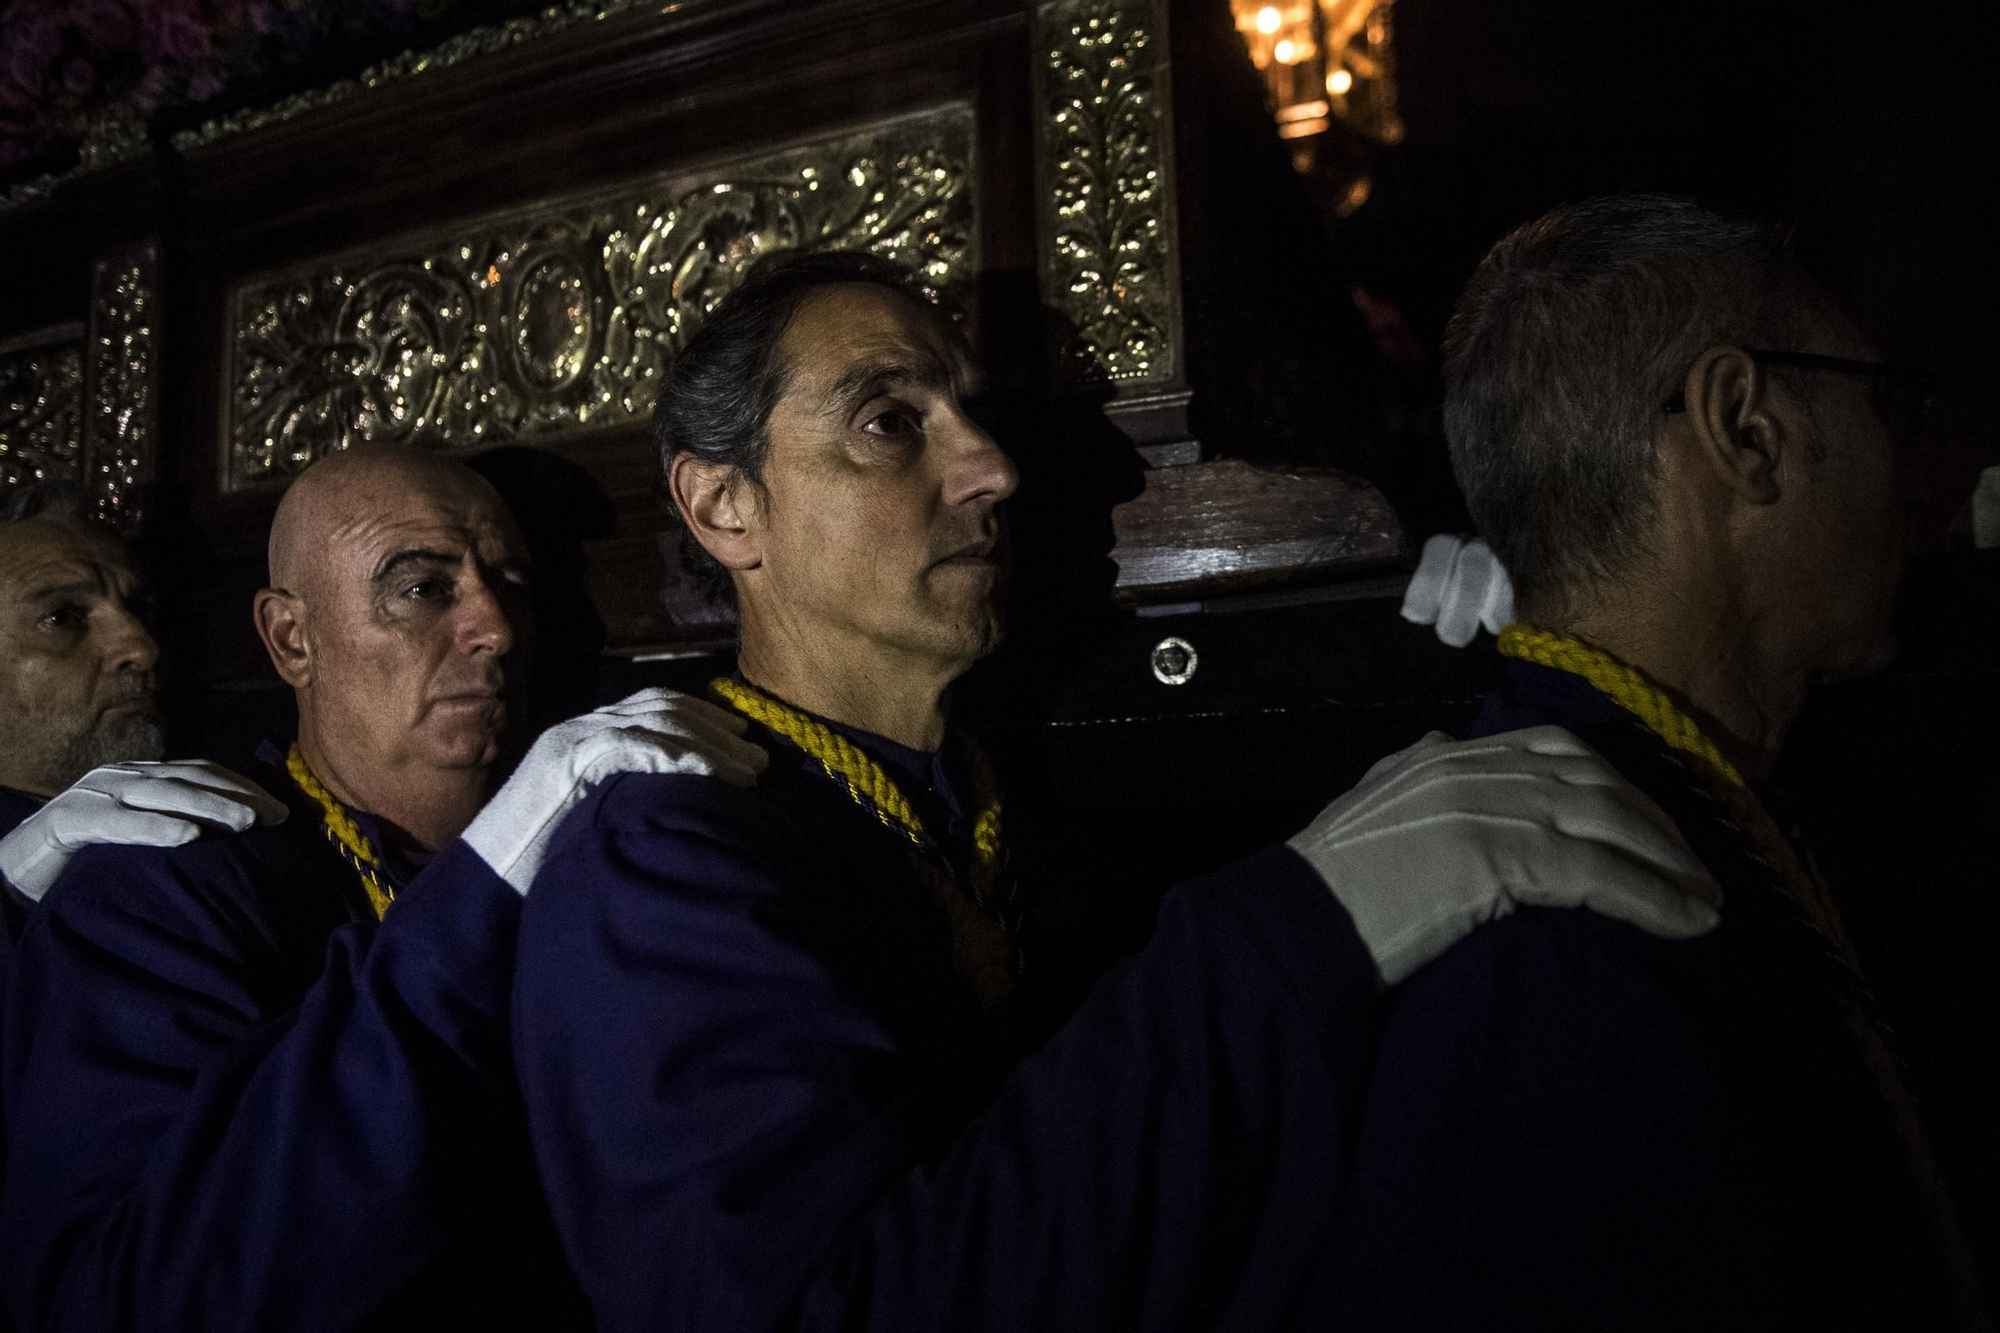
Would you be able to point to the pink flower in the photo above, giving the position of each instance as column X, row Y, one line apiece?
column 182, row 40
column 105, row 24
column 36, row 34
column 147, row 95
column 203, row 86
column 28, row 70
column 78, row 77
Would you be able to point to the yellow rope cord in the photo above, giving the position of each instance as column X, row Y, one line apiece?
column 344, row 833
column 985, row 948
column 1624, row 685
column 866, row 781
column 1795, row 877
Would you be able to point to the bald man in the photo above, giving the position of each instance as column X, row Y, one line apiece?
column 261, row 1081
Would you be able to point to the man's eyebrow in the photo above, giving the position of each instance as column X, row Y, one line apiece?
column 864, row 381
column 81, row 588
column 416, row 555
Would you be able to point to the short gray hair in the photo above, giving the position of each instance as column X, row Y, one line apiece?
column 45, row 499
column 1573, row 332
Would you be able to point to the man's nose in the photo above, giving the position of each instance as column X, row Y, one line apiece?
column 133, row 647
column 488, row 615
column 979, row 468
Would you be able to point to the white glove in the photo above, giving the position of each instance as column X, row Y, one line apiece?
column 151, row 804
column 654, row 731
column 1446, row 835
column 1986, row 510
column 1459, row 586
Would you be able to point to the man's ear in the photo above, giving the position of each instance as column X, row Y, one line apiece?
column 717, row 503
column 1740, row 428
column 281, row 624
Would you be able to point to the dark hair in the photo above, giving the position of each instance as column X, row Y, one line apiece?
column 716, row 398
column 46, row 499
column 1571, row 334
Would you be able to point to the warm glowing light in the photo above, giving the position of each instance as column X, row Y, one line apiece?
column 1340, row 81
column 1268, row 20
column 1285, row 53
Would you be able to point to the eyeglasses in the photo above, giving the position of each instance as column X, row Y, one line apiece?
column 1901, row 395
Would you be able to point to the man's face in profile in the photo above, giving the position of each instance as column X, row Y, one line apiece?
column 77, row 686
column 1847, row 539
column 880, row 526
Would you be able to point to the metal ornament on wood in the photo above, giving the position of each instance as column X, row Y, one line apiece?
column 41, row 410
column 1107, row 250
column 120, row 425
column 563, row 317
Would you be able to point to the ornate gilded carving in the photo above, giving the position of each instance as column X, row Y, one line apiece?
column 412, row 64
column 119, row 423
column 563, row 317
column 27, row 192
column 41, row 411
column 1108, row 262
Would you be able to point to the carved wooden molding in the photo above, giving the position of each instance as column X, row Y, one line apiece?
column 1230, row 526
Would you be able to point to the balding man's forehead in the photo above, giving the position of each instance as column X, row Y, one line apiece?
column 476, row 521
column 347, row 509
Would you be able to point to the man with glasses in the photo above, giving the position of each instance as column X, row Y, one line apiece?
column 1683, row 450
column 769, row 1040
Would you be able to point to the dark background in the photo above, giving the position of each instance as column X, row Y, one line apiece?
column 1873, row 127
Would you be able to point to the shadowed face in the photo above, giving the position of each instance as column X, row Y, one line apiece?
column 879, row 528
column 411, row 584
column 76, row 662
column 1846, row 537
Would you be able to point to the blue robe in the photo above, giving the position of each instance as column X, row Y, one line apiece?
column 233, row 1101
column 1574, row 1125
column 15, row 806
column 761, row 1098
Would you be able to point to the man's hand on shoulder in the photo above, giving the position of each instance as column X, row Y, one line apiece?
column 150, row 804
column 1447, row 835
column 653, row 731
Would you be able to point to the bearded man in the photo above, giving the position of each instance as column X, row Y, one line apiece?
column 79, row 708
column 261, row 1081
column 764, row 1036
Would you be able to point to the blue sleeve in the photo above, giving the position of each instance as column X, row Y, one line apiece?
column 728, row 1138
column 183, row 1153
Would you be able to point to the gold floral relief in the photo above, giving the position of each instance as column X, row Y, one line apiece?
column 1108, row 262
column 562, row 317
column 120, row 427
column 41, row 412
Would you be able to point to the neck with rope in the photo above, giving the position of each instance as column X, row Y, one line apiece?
column 1799, row 883
column 973, row 897
column 1740, row 808
column 338, row 825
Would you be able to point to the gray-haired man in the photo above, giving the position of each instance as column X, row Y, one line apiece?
column 1682, row 449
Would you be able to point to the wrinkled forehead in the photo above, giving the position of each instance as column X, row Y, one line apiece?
column 442, row 511
column 35, row 551
column 848, row 325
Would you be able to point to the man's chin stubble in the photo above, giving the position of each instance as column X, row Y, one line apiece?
column 118, row 738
